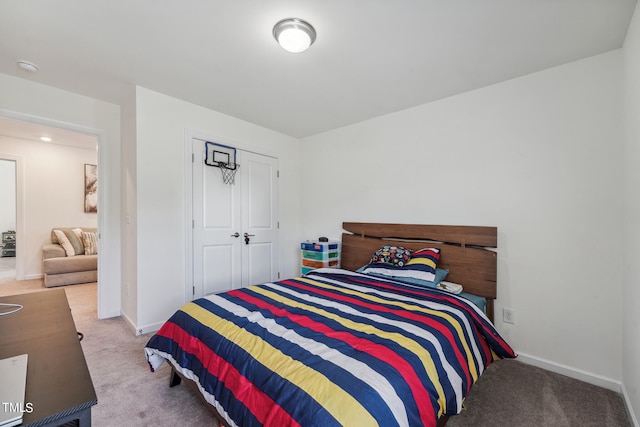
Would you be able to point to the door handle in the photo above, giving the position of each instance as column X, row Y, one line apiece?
column 236, row 234
column 247, row 237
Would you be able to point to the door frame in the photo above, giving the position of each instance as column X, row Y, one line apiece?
column 189, row 136
column 103, row 192
column 20, row 228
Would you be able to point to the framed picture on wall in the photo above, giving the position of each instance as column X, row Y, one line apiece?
column 90, row 188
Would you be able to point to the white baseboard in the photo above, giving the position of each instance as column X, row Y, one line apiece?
column 149, row 328
column 144, row 329
column 579, row 374
column 627, row 403
column 128, row 321
column 110, row 314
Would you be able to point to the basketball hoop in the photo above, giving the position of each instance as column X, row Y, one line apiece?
column 224, row 158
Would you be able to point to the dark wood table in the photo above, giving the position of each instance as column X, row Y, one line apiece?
column 59, row 385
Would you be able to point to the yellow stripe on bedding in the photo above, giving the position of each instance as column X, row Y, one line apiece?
column 410, row 307
column 340, row 404
column 401, row 340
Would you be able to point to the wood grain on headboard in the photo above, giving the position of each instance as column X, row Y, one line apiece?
column 464, row 250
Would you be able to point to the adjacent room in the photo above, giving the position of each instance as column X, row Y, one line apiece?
column 195, row 154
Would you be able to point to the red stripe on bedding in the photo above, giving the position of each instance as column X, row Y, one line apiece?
column 261, row 406
column 446, row 332
column 421, row 395
column 444, row 297
column 487, row 351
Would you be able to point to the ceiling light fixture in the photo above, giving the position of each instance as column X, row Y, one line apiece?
column 45, row 139
column 27, row 66
column 294, row 35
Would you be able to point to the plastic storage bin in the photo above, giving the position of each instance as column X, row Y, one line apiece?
column 319, row 264
column 319, row 254
column 319, row 246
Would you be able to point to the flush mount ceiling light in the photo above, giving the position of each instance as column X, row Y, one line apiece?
column 294, row 35
column 27, row 66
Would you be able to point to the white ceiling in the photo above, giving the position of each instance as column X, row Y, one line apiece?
column 23, row 130
column 371, row 57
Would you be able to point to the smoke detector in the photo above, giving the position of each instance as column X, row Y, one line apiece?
column 27, row 66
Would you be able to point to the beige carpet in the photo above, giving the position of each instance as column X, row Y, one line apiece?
column 509, row 393
column 128, row 393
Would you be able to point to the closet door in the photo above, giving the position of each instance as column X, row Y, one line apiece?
column 223, row 258
column 259, row 218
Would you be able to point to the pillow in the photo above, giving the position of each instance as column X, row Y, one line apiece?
column 70, row 240
column 90, row 241
column 422, row 265
column 396, row 256
column 440, row 274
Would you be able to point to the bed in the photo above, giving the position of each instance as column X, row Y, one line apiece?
column 338, row 347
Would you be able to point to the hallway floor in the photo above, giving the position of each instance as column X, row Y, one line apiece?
column 7, row 268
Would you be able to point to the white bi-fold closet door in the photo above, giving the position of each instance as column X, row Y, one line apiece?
column 235, row 226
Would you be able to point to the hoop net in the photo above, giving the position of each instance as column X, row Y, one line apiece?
column 229, row 173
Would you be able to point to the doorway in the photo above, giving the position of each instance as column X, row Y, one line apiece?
column 17, row 133
column 7, row 219
column 234, row 234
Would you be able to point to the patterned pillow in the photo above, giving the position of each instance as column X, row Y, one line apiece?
column 70, row 240
column 90, row 241
column 396, row 256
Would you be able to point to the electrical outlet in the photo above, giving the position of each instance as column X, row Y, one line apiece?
column 508, row 315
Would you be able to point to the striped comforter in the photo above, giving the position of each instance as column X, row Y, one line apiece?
column 330, row 348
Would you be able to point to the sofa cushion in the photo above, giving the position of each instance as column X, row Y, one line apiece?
column 50, row 250
column 70, row 264
column 51, row 280
column 70, row 240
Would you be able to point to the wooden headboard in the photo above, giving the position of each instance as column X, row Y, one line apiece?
column 464, row 250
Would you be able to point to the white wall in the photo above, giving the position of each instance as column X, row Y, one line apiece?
column 160, row 222
column 53, row 193
column 7, row 194
column 631, row 350
column 54, row 107
column 539, row 157
column 129, row 211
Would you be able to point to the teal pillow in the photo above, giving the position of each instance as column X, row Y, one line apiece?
column 440, row 275
column 480, row 302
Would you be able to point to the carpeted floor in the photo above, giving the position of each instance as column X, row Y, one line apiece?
column 512, row 393
column 128, row 393
column 509, row 393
